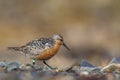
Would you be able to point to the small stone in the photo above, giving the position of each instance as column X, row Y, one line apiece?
column 115, row 60
column 85, row 63
column 3, row 64
column 12, row 66
column 26, row 67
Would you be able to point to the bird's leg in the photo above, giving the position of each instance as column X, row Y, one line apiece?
column 33, row 61
column 48, row 65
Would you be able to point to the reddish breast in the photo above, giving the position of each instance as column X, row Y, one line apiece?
column 48, row 53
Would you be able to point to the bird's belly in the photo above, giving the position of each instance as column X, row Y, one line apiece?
column 48, row 53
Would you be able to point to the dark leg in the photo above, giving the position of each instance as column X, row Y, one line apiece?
column 48, row 65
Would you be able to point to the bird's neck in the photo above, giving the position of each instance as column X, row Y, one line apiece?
column 58, row 42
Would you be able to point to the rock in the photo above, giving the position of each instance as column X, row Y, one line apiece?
column 4, row 64
column 113, row 67
column 115, row 60
column 30, row 67
column 11, row 66
column 85, row 63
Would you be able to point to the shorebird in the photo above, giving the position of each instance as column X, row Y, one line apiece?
column 42, row 48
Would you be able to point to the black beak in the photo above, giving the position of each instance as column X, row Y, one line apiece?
column 66, row 46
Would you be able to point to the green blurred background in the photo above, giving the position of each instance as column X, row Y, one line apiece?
column 91, row 28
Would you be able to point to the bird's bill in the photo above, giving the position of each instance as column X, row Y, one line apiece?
column 66, row 46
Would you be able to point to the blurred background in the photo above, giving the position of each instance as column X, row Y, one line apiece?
column 91, row 28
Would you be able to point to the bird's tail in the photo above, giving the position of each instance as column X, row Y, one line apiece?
column 14, row 48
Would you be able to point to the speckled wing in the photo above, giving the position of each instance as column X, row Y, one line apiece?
column 37, row 46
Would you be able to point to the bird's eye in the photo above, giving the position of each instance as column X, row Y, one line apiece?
column 61, row 39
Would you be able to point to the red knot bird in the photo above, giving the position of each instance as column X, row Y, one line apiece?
column 42, row 48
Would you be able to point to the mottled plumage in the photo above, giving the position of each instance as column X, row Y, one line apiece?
column 37, row 46
column 42, row 48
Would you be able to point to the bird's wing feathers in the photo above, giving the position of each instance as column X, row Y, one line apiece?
column 37, row 46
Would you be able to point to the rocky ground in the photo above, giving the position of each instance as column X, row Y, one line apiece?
column 82, row 71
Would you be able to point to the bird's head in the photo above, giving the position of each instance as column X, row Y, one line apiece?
column 60, row 39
